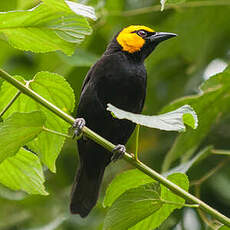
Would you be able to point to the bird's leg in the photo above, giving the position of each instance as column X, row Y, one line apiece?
column 118, row 152
column 78, row 125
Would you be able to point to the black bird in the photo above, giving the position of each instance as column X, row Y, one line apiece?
column 119, row 78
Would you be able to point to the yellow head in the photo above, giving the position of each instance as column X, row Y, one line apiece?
column 131, row 38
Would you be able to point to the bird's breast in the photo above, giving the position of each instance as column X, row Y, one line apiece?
column 125, row 89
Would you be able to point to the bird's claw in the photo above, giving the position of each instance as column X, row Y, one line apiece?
column 78, row 125
column 118, row 152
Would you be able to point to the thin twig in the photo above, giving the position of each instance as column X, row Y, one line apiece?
column 137, row 141
column 10, row 103
column 56, row 132
column 220, row 152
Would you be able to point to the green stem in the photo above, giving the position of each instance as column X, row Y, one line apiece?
column 10, row 103
column 220, row 152
column 175, row 6
column 109, row 146
column 179, row 204
column 137, row 141
column 55, row 132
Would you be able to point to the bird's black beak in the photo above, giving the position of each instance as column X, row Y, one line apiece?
column 158, row 37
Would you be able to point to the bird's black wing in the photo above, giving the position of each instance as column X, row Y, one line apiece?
column 93, row 157
column 88, row 77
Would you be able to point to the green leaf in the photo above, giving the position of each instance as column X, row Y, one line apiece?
column 224, row 228
column 216, row 81
column 70, row 7
column 133, row 206
column 70, row 29
column 123, row 182
column 8, row 5
column 59, row 5
column 23, row 172
column 17, row 130
column 210, row 104
column 171, row 121
column 44, row 29
column 157, row 218
column 134, row 179
column 189, row 120
column 182, row 181
column 56, row 90
column 80, row 9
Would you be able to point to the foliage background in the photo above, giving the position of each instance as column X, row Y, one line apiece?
column 175, row 69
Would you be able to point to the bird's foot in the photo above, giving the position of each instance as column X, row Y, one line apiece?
column 118, row 152
column 78, row 125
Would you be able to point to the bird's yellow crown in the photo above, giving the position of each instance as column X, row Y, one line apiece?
column 131, row 41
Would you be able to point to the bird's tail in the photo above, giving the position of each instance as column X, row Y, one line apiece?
column 86, row 189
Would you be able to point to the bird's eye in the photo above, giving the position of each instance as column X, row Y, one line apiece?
column 142, row 33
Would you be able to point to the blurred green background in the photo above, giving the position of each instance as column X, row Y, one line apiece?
column 175, row 69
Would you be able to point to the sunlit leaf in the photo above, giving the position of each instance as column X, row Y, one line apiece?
column 161, row 215
column 69, row 6
column 224, row 228
column 8, row 5
column 189, row 120
column 80, row 9
column 17, row 130
column 23, row 172
column 133, row 206
column 216, row 81
column 44, row 29
column 134, row 180
column 171, row 121
column 59, row 5
column 70, row 29
column 55, row 89
column 125, row 181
